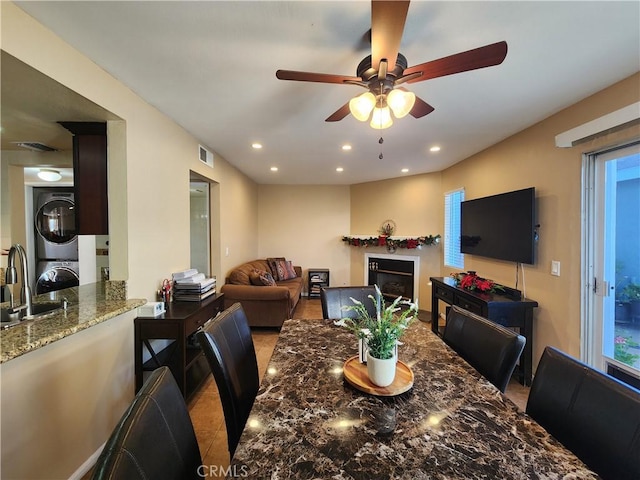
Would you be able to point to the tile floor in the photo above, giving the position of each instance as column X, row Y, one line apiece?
column 206, row 411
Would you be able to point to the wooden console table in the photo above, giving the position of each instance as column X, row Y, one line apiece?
column 183, row 356
column 497, row 308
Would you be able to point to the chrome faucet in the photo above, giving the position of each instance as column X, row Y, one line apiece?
column 11, row 277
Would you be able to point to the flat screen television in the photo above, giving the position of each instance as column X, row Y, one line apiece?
column 500, row 226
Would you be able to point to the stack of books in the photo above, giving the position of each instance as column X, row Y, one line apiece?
column 191, row 286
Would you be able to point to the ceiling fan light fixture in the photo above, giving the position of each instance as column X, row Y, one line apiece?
column 401, row 102
column 361, row 106
column 49, row 175
column 381, row 118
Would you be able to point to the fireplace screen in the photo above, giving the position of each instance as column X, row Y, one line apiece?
column 394, row 277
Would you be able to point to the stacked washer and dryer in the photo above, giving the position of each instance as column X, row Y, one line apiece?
column 56, row 250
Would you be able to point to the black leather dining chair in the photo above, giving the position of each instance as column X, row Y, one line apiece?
column 227, row 344
column 594, row 415
column 154, row 438
column 333, row 299
column 488, row 347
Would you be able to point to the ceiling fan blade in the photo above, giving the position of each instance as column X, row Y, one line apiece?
column 339, row 114
column 387, row 26
column 481, row 57
column 315, row 77
column 421, row 108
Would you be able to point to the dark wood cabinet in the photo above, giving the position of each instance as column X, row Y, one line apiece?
column 182, row 354
column 506, row 311
column 90, row 176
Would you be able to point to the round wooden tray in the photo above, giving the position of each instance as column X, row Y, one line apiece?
column 355, row 373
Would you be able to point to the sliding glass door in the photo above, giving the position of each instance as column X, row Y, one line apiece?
column 611, row 331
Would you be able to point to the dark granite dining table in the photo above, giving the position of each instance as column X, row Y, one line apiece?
column 307, row 422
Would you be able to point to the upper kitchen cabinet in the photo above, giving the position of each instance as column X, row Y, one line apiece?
column 90, row 176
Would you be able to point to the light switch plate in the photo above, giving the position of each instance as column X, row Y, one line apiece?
column 555, row 268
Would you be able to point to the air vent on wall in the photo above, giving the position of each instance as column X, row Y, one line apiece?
column 205, row 155
column 35, row 146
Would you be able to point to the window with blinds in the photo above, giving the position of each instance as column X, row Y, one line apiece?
column 452, row 255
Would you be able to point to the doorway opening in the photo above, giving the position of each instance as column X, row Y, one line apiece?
column 200, row 226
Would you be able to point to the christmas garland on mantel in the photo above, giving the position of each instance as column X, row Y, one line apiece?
column 390, row 242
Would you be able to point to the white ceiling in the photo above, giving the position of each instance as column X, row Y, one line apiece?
column 210, row 65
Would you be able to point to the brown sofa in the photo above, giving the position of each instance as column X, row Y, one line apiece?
column 264, row 306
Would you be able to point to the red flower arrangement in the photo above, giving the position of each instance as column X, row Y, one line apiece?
column 471, row 281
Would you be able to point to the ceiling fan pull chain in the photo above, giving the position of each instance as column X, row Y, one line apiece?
column 381, row 141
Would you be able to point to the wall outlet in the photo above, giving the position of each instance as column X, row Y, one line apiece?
column 555, row 268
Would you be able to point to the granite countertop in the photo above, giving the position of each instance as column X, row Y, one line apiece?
column 88, row 305
column 308, row 423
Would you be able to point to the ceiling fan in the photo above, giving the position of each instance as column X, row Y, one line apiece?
column 384, row 71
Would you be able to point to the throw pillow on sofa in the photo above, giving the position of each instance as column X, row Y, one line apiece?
column 273, row 265
column 261, row 278
column 285, row 270
column 291, row 272
column 267, row 279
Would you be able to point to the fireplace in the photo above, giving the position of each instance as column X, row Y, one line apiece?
column 396, row 275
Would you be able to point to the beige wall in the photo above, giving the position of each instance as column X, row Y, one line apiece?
column 530, row 158
column 239, row 222
column 149, row 238
column 414, row 203
column 305, row 224
column 12, row 196
column 149, row 174
column 60, row 402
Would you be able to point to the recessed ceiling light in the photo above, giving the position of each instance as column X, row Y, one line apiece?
column 346, row 147
column 257, row 146
column 339, row 169
column 435, row 148
column 274, row 169
column 404, row 170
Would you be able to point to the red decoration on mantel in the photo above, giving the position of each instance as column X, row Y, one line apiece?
column 390, row 242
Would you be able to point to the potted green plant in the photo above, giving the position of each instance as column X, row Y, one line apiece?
column 381, row 333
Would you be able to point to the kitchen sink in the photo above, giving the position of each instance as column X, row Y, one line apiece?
column 10, row 319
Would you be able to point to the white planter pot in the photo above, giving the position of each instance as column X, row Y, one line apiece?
column 381, row 372
column 363, row 348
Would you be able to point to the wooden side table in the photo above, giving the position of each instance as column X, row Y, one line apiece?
column 505, row 311
column 182, row 355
